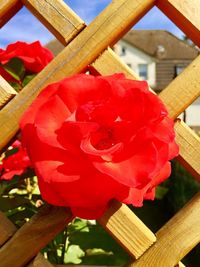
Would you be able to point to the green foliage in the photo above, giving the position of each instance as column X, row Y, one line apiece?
column 85, row 242
column 17, row 86
column 27, row 79
column 182, row 186
column 15, row 67
column 21, row 77
column 18, row 198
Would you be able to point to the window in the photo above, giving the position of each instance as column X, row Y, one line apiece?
column 143, row 71
column 178, row 70
column 129, row 64
column 123, row 51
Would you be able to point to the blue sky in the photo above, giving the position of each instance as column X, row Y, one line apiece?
column 25, row 27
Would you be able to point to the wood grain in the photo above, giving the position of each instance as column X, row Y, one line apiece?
column 106, row 29
column 109, row 62
column 8, row 8
column 7, row 229
column 189, row 144
column 34, row 235
column 175, row 239
column 6, row 92
column 185, row 14
column 129, row 231
column 57, row 17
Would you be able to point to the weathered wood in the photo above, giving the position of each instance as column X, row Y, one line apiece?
column 175, row 239
column 6, row 92
column 34, row 235
column 130, row 232
column 189, row 144
column 8, row 8
column 185, row 14
column 7, row 229
column 107, row 28
column 57, row 17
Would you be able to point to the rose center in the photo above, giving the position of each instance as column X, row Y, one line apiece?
column 103, row 138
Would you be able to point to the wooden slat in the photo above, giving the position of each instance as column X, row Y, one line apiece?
column 6, row 92
column 109, row 62
column 183, row 90
column 130, row 232
column 40, row 261
column 80, row 265
column 180, row 264
column 185, row 14
column 107, row 28
column 189, row 144
column 57, row 17
column 34, row 235
column 8, row 8
column 7, row 229
column 177, row 96
column 175, row 239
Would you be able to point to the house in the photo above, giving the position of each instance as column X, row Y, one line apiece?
column 156, row 56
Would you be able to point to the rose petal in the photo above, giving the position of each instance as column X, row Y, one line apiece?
column 133, row 171
column 106, row 154
column 49, row 119
column 163, row 174
column 30, row 113
column 82, row 88
column 48, row 161
column 71, row 134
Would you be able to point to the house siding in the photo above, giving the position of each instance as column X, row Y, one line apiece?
column 133, row 57
column 165, row 71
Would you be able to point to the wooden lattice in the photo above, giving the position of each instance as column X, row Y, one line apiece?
column 89, row 46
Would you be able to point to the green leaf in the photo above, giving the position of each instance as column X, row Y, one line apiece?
column 15, row 67
column 97, row 245
column 16, row 86
column 161, row 191
column 74, row 255
column 10, row 152
column 27, row 79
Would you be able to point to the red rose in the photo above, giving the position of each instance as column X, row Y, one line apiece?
column 93, row 139
column 15, row 164
column 34, row 56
